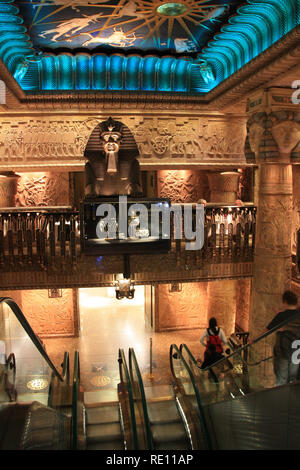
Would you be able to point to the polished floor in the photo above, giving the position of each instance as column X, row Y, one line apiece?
column 107, row 324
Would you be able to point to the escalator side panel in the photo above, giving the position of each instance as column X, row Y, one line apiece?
column 265, row 420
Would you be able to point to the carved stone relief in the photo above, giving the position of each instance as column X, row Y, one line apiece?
column 286, row 135
column 296, row 205
column 184, row 309
column 168, row 138
column 43, row 189
column 50, row 316
column 182, row 186
column 255, row 134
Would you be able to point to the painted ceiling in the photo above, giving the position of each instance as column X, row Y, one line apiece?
column 144, row 25
column 187, row 47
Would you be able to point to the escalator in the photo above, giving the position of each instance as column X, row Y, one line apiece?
column 243, row 406
column 99, row 424
column 167, row 423
column 34, row 412
column 42, row 409
column 135, row 418
column 234, row 404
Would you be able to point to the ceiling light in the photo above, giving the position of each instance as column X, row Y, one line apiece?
column 37, row 384
column 172, row 9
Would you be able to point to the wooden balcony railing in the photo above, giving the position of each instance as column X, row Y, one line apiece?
column 43, row 237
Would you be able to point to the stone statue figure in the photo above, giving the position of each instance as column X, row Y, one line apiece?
column 110, row 172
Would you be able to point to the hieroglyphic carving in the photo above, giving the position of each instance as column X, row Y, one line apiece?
column 189, row 140
column 44, row 139
column 275, row 214
column 50, row 316
column 43, row 189
column 182, row 186
column 55, row 139
column 184, row 309
column 296, row 206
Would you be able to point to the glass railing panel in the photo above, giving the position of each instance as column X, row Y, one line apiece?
column 30, row 378
column 140, row 402
column 60, row 392
column 77, row 407
column 186, row 385
column 127, row 408
column 265, row 362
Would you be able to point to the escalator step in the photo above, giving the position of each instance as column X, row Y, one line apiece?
column 182, row 445
column 163, row 412
column 102, row 414
column 103, row 432
column 168, row 432
column 112, row 445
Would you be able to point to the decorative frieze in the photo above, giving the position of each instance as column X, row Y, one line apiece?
column 60, row 141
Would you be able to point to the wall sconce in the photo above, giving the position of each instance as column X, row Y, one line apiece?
column 124, row 289
column 54, row 293
column 175, row 287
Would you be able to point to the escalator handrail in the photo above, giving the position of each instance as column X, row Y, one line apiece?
column 21, row 318
column 66, row 368
column 123, row 367
column 75, row 389
column 133, row 363
column 256, row 340
column 65, row 376
column 196, row 391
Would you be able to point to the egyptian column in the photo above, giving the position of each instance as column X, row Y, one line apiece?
column 8, row 189
column 273, row 136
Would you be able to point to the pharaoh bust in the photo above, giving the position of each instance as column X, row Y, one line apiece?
column 109, row 171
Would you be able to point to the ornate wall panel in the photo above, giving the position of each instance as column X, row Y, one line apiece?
column 43, row 189
column 16, row 295
column 182, row 186
column 8, row 190
column 222, row 304
column 296, row 205
column 35, row 142
column 184, row 309
column 50, row 317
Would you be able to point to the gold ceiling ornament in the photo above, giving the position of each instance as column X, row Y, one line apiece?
column 133, row 15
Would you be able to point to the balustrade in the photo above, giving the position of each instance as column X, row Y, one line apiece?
column 50, row 237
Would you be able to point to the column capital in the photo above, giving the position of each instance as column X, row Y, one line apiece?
column 223, row 186
column 273, row 137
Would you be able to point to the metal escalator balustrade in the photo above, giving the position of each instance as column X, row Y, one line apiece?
column 167, row 425
column 249, row 368
column 245, row 402
column 187, row 388
column 101, row 424
column 31, row 399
